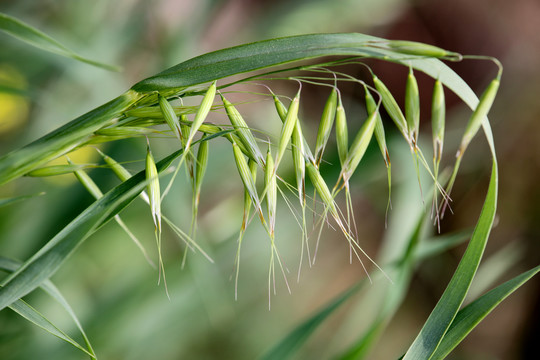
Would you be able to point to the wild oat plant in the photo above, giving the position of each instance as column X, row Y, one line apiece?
column 154, row 109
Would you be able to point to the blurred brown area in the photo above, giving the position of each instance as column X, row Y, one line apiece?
column 509, row 31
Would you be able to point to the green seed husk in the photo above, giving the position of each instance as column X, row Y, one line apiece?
column 244, row 133
column 252, row 165
column 391, row 106
column 125, row 131
column 153, row 188
column 143, row 122
column 270, row 185
column 282, row 112
column 412, row 105
column 371, row 107
column 247, row 179
column 299, row 163
column 120, row 171
column 481, row 111
column 359, row 146
column 202, row 113
column 475, row 121
column 419, row 49
column 88, row 183
column 170, row 116
column 321, row 188
column 154, row 195
column 438, row 120
column 342, row 135
column 200, row 169
column 325, row 125
column 54, row 170
column 291, row 119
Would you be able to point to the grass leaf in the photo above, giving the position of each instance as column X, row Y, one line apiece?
column 444, row 312
column 36, row 318
column 286, row 348
column 63, row 139
column 35, row 37
column 50, row 257
column 471, row 315
column 16, row 199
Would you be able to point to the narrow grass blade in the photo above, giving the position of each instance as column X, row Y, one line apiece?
column 32, row 315
column 63, row 139
column 471, row 315
column 446, row 309
column 439, row 244
column 287, row 347
column 11, row 266
column 35, row 37
column 44, row 263
column 391, row 296
column 16, row 199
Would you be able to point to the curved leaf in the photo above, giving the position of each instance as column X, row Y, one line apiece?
column 444, row 312
column 32, row 315
column 50, row 257
column 217, row 65
column 293, row 340
column 35, row 37
column 471, row 315
column 16, row 199
column 63, row 139
column 29, row 313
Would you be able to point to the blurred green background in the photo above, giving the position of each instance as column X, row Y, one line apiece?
column 113, row 289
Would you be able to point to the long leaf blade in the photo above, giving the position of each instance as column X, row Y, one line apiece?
column 446, row 309
column 37, row 38
column 32, row 315
column 49, row 258
column 292, row 341
column 468, row 317
column 11, row 266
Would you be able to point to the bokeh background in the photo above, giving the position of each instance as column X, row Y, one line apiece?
column 114, row 291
